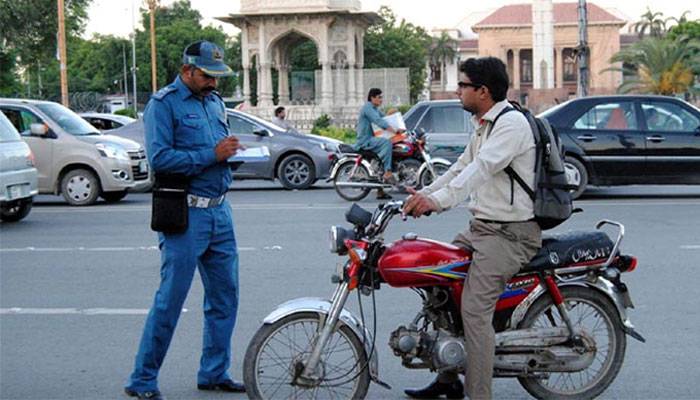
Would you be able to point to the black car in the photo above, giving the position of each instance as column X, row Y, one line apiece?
column 625, row 140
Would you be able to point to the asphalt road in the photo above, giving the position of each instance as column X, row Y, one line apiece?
column 75, row 284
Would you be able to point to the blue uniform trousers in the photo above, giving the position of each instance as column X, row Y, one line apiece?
column 382, row 147
column 210, row 245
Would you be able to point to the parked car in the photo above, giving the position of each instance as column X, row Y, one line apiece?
column 18, row 177
column 447, row 126
column 72, row 157
column 106, row 122
column 624, row 140
column 297, row 160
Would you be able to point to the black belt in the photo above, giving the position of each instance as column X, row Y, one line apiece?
column 491, row 221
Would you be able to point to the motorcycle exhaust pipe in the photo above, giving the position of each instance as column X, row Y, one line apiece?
column 364, row 185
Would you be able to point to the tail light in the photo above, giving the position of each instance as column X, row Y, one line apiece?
column 627, row 263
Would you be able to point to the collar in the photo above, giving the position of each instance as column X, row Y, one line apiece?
column 492, row 113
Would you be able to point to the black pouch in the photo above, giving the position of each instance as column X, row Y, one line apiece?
column 169, row 212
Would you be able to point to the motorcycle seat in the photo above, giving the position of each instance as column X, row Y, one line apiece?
column 570, row 249
column 346, row 148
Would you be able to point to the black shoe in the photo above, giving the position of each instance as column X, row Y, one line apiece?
column 148, row 395
column 382, row 195
column 452, row 390
column 225, row 386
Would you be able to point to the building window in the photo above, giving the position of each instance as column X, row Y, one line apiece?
column 435, row 73
column 570, row 67
column 526, row 66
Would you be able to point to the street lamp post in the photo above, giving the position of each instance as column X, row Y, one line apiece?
column 152, row 4
column 582, row 51
column 62, row 53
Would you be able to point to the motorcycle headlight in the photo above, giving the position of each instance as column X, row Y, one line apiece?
column 110, row 150
column 337, row 239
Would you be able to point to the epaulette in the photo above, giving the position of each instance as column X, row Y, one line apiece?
column 159, row 95
column 217, row 94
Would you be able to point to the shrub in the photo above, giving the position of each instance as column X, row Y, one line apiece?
column 129, row 112
column 322, row 122
column 346, row 135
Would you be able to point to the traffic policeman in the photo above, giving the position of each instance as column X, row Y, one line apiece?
column 187, row 135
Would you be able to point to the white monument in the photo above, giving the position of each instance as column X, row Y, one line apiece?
column 542, row 44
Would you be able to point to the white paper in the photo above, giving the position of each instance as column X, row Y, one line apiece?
column 251, row 154
column 396, row 121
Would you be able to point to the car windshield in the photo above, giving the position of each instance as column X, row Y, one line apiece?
column 67, row 119
column 550, row 111
column 268, row 125
column 8, row 133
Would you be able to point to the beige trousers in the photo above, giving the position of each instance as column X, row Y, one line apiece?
column 499, row 251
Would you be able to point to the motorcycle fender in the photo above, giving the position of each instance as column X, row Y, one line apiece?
column 321, row 306
column 436, row 160
column 601, row 284
column 345, row 159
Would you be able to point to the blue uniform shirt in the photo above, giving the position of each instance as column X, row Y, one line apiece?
column 182, row 131
column 369, row 114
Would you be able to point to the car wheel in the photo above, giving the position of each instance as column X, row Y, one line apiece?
column 576, row 174
column 113, row 197
column 80, row 187
column 16, row 210
column 296, row 172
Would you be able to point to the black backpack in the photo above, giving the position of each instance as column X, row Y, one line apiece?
column 552, row 193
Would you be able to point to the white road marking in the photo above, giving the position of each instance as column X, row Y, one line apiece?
column 106, row 249
column 75, row 311
column 691, row 247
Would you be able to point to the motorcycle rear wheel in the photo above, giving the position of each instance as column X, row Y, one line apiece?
column 343, row 175
column 278, row 350
column 592, row 311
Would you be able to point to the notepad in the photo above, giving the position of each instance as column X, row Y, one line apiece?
column 251, row 154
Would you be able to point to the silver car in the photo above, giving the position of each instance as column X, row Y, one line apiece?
column 447, row 126
column 73, row 158
column 296, row 159
column 106, row 122
column 18, row 176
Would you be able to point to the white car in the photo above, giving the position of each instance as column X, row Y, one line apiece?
column 18, row 177
column 106, row 122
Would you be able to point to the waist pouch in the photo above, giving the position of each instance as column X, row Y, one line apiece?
column 169, row 210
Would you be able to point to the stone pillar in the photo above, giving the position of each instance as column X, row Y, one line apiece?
column 560, row 67
column 283, row 85
column 326, row 84
column 352, row 86
column 360, row 84
column 265, row 78
column 246, row 85
column 516, row 69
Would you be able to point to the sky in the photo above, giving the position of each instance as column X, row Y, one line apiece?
column 114, row 16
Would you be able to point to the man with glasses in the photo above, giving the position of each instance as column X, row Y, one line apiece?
column 370, row 114
column 502, row 234
column 187, row 134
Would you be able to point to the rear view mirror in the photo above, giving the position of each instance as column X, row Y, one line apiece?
column 39, row 130
column 262, row 132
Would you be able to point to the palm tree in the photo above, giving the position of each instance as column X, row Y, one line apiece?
column 652, row 21
column 443, row 52
column 660, row 65
column 683, row 18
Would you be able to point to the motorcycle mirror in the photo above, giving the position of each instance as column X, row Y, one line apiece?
column 356, row 215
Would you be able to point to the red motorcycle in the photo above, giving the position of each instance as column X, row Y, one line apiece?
column 561, row 322
column 356, row 172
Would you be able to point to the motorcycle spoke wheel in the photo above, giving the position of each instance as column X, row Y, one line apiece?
column 349, row 173
column 592, row 313
column 278, row 352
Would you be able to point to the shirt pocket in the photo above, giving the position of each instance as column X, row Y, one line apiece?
column 192, row 132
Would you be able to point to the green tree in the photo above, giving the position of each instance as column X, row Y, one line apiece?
column 652, row 22
column 9, row 81
column 442, row 52
column 660, row 65
column 399, row 45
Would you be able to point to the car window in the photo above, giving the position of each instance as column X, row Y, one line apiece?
column 669, row 117
column 413, row 117
column 239, row 125
column 22, row 120
column 67, row 119
column 444, row 120
column 615, row 115
column 8, row 133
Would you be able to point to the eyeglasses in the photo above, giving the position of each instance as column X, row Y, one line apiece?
column 464, row 85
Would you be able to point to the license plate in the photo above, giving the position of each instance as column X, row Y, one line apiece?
column 15, row 192
column 143, row 167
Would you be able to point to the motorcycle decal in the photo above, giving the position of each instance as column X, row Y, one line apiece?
column 444, row 270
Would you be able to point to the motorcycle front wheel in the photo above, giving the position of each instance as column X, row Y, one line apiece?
column 345, row 174
column 426, row 177
column 591, row 311
column 278, row 352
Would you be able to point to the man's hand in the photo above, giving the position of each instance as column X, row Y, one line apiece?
column 226, row 148
column 418, row 204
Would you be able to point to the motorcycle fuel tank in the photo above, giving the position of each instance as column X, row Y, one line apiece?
column 415, row 262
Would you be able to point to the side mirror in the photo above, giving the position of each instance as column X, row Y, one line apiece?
column 262, row 132
column 39, row 130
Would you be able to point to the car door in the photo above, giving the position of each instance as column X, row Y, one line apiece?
column 251, row 135
column 672, row 140
column 448, row 130
column 41, row 146
column 608, row 131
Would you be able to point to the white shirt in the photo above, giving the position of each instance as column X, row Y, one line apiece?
column 282, row 123
column 478, row 173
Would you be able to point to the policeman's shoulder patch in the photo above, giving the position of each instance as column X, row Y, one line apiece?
column 159, row 95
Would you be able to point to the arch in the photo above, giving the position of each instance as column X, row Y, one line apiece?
column 291, row 33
